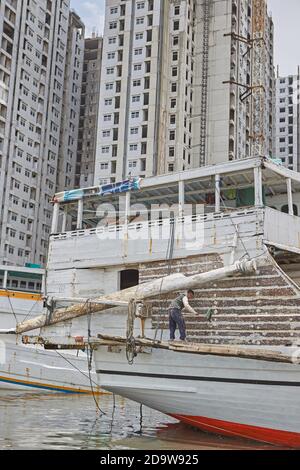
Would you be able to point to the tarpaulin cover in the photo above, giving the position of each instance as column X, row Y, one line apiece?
column 113, row 188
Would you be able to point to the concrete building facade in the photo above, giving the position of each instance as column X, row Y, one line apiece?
column 33, row 42
column 287, row 137
column 87, row 136
column 70, row 115
column 166, row 103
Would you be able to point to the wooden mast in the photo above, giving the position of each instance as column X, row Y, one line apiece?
column 173, row 283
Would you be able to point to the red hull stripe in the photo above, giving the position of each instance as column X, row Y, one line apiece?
column 226, row 428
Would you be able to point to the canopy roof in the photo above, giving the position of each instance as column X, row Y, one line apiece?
column 198, row 183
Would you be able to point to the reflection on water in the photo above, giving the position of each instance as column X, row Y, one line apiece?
column 38, row 421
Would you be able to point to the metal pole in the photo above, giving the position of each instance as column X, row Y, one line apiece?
column 181, row 198
column 64, row 221
column 258, row 187
column 80, row 214
column 54, row 226
column 290, row 196
column 127, row 210
column 218, row 193
column 5, row 279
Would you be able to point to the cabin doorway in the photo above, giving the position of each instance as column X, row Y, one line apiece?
column 129, row 278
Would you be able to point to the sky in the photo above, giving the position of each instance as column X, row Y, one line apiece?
column 285, row 13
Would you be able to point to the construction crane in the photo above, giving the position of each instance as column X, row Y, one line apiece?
column 204, row 82
column 256, row 90
column 259, row 58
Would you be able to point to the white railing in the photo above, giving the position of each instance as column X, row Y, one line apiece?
column 156, row 224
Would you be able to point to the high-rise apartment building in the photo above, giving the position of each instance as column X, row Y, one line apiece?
column 33, row 50
column 71, row 104
column 87, row 136
column 287, row 137
column 173, row 78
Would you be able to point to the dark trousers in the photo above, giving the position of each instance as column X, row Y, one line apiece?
column 176, row 320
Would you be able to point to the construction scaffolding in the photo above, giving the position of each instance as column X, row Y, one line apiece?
column 256, row 90
column 204, row 83
column 259, row 56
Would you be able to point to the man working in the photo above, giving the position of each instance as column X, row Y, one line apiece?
column 175, row 314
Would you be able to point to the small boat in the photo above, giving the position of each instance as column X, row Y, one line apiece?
column 32, row 368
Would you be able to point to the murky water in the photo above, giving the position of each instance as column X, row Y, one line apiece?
column 47, row 421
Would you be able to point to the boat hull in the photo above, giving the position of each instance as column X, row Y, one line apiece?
column 248, row 398
column 28, row 368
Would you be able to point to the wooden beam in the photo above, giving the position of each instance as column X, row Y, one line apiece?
column 80, row 343
column 172, row 283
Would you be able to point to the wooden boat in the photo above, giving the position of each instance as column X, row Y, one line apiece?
column 239, row 373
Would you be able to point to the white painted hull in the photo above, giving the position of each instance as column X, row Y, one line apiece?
column 254, row 399
column 30, row 368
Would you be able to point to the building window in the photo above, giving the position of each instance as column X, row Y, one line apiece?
column 176, row 25
column 171, row 152
column 175, row 40
column 133, row 147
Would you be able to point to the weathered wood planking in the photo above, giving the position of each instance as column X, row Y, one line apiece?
column 260, row 309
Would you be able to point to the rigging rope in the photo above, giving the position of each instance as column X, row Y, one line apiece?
column 169, row 260
column 89, row 352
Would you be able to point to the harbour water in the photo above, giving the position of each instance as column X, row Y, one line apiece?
column 72, row 422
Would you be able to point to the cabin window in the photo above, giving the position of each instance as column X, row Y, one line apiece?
column 129, row 278
column 285, row 209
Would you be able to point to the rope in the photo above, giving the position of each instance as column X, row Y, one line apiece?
column 169, row 260
column 131, row 351
column 235, row 228
column 73, row 365
column 89, row 352
column 11, row 306
column 30, row 311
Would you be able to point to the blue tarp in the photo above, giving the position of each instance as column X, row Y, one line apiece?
column 113, row 188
